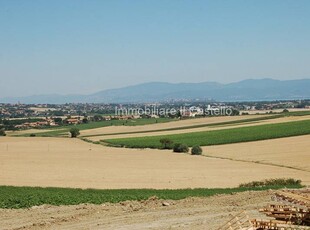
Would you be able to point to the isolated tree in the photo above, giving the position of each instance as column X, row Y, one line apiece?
column 179, row 114
column 235, row 112
column 166, row 143
column 196, row 150
column 74, row 132
column 98, row 118
column 285, row 111
column 85, row 120
column 180, row 148
column 58, row 120
column 2, row 132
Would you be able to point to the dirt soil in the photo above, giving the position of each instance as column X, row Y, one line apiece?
column 191, row 213
column 66, row 162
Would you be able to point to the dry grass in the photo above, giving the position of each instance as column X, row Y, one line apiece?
column 290, row 151
column 28, row 131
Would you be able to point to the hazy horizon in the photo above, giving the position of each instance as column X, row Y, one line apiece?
column 150, row 82
column 82, row 47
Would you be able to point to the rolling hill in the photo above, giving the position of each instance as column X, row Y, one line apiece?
column 247, row 90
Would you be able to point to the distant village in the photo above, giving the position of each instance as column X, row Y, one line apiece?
column 25, row 116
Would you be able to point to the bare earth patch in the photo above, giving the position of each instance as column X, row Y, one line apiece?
column 64, row 162
column 191, row 213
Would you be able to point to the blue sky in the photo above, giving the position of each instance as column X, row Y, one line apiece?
column 76, row 46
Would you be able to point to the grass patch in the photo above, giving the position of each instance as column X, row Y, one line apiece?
column 25, row 197
column 297, row 113
column 217, row 137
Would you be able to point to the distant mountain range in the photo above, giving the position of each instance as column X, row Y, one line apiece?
column 247, row 90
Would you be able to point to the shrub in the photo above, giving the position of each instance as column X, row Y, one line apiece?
column 32, row 135
column 74, row 132
column 166, row 143
column 196, row 150
column 180, row 148
column 272, row 182
column 2, row 132
column 85, row 120
column 285, row 111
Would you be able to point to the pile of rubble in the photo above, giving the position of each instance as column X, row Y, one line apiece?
column 294, row 214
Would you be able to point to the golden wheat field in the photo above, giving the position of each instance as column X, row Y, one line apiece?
column 287, row 152
column 64, row 162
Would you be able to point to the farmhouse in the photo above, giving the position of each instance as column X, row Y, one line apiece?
column 191, row 112
column 73, row 121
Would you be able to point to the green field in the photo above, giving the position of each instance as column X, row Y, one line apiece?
column 217, row 137
column 242, row 121
column 262, row 117
column 25, row 197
